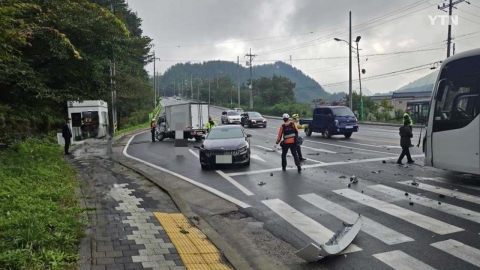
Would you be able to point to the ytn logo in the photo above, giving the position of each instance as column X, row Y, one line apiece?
column 443, row 19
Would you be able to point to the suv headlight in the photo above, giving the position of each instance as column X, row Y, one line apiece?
column 336, row 122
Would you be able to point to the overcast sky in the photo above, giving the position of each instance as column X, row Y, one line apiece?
column 202, row 30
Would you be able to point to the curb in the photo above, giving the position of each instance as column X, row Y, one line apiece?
column 232, row 256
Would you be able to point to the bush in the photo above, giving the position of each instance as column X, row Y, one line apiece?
column 40, row 225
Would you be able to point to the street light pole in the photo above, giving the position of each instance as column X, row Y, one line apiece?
column 350, row 62
column 359, row 79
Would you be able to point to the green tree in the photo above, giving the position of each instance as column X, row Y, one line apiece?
column 369, row 106
column 386, row 108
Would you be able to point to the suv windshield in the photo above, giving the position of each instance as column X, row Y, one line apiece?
column 255, row 115
column 232, row 113
column 226, row 133
column 342, row 111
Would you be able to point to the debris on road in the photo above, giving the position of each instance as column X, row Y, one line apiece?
column 343, row 177
column 271, row 174
column 439, row 202
column 348, row 185
column 411, row 203
column 353, row 179
column 414, row 183
column 261, row 183
column 406, row 193
column 377, row 172
column 339, row 242
column 441, row 196
column 384, row 162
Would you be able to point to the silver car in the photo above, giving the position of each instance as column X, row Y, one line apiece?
column 231, row 117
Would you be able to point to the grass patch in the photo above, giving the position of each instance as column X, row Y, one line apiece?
column 128, row 129
column 40, row 222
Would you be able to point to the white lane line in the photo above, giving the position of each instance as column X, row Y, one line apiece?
column 193, row 153
column 271, row 150
column 447, row 192
column 443, row 207
column 459, row 250
column 343, row 146
column 371, row 145
column 198, row 184
column 319, row 149
column 399, row 260
column 321, row 165
column 420, row 220
column 316, row 231
column 257, row 157
column 235, row 183
column 443, row 180
column 373, row 228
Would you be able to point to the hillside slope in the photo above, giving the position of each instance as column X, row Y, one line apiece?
column 307, row 89
column 424, row 83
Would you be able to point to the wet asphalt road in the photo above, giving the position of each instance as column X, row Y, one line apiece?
column 308, row 207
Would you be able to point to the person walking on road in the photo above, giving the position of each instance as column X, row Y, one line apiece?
column 153, row 126
column 296, row 119
column 210, row 124
column 405, row 142
column 289, row 132
column 406, row 116
column 67, row 135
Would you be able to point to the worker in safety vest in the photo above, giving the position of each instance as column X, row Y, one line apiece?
column 296, row 119
column 210, row 124
column 406, row 116
column 289, row 132
column 152, row 129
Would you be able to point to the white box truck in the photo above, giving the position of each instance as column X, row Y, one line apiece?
column 193, row 116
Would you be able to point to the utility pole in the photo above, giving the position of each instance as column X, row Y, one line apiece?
column 251, row 56
column 350, row 62
column 238, row 79
column 112, row 84
column 453, row 49
column 360, row 81
column 450, row 6
column 198, row 92
column 191, row 84
column 208, row 89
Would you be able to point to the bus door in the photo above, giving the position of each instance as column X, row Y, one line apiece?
column 455, row 140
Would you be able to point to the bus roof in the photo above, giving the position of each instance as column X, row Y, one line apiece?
column 457, row 56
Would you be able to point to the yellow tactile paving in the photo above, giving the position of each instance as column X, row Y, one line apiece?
column 211, row 258
column 198, row 267
column 192, row 259
column 195, row 250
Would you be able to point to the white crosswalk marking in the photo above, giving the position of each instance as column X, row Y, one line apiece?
column 446, row 192
column 459, row 250
column 305, row 224
column 375, row 229
column 399, row 260
column 444, row 207
column 319, row 149
column 425, row 222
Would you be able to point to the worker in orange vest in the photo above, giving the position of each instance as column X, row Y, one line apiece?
column 152, row 129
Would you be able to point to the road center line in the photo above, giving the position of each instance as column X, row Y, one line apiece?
column 337, row 145
column 270, row 149
column 235, row 183
column 321, row 165
column 198, row 184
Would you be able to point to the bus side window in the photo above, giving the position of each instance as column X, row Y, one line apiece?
column 457, row 95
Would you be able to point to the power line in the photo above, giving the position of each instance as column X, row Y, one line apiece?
column 450, row 6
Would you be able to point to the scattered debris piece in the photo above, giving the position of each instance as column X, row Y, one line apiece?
column 414, row 183
column 267, row 141
column 353, row 179
column 439, row 202
column 196, row 218
column 343, row 177
column 411, row 203
column 325, row 171
column 261, row 183
column 406, row 193
column 271, row 174
column 376, row 172
column 184, row 231
column 339, row 242
column 441, row 196
column 384, row 162
column 362, row 191
column 349, row 185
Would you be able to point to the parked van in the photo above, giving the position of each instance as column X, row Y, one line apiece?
column 331, row 120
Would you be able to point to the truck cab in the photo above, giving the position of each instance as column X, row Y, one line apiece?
column 331, row 120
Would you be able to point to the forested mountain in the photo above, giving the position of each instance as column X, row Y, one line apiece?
column 306, row 88
column 424, row 83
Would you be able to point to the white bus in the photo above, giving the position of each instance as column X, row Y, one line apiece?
column 452, row 138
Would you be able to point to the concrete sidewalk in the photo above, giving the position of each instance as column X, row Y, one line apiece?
column 132, row 222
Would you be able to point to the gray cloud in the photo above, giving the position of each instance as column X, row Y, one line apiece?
column 189, row 22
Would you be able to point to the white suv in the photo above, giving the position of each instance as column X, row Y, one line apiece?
column 231, row 117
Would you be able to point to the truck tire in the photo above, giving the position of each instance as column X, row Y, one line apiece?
column 198, row 138
column 205, row 167
column 249, row 124
column 308, row 132
column 326, row 133
column 161, row 136
column 348, row 135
